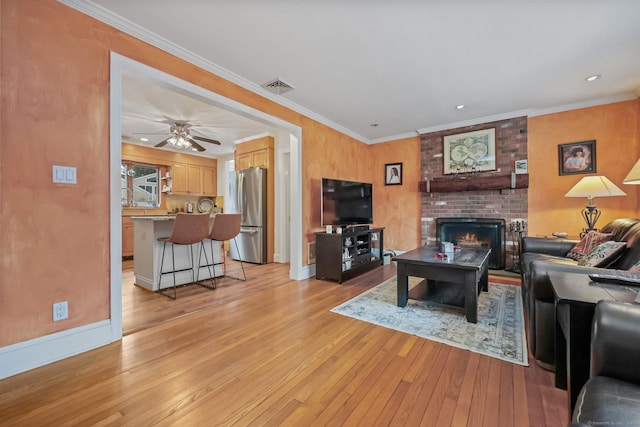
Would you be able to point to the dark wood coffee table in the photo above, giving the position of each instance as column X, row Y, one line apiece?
column 464, row 267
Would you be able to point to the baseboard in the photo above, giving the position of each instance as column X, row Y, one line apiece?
column 27, row 355
column 305, row 272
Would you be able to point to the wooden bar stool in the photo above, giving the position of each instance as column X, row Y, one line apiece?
column 225, row 227
column 188, row 229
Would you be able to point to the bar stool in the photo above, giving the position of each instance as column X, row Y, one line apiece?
column 188, row 229
column 225, row 227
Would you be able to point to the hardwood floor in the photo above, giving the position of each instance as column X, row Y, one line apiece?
column 269, row 352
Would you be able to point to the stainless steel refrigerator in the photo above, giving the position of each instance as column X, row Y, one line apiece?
column 249, row 197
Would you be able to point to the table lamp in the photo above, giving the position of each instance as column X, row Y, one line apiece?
column 633, row 177
column 590, row 187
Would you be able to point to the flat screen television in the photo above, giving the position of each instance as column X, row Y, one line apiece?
column 346, row 202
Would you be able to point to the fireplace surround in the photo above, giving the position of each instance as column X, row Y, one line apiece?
column 475, row 232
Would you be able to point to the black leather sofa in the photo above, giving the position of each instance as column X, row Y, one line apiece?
column 611, row 396
column 541, row 255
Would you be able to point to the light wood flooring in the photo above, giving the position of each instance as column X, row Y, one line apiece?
column 269, row 352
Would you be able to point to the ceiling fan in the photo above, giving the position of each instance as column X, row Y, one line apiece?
column 180, row 138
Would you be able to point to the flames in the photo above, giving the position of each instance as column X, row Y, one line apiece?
column 471, row 240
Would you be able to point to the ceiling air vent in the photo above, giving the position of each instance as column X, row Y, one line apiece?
column 278, row 86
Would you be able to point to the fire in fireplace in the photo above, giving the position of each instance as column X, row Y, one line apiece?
column 475, row 233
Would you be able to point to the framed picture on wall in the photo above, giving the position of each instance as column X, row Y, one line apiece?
column 521, row 166
column 393, row 174
column 577, row 157
column 470, row 152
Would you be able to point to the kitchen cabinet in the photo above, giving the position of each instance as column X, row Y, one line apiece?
column 193, row 180
column 179, row 183
column 127, row 236
column 259, row 158
column 149, row 252
column 209, row 181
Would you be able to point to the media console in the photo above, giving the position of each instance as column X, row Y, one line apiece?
column 340, row 257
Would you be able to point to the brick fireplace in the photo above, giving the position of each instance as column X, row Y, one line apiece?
column 508, row 204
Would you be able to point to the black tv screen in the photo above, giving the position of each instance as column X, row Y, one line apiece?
column 346, row 202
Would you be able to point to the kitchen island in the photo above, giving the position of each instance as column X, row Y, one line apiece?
column 148, row 254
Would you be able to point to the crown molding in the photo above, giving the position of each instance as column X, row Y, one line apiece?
column 476, row 121
column 101, row 14
column 585, row 104
column 98, row 12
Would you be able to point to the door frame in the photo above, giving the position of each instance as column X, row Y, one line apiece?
column 122, row 65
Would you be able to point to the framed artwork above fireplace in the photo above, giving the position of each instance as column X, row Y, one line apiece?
column 470, row 152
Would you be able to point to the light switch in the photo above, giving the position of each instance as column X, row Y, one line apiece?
column 64, row 174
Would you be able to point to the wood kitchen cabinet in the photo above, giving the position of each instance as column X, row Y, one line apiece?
column 259, row 158
column 193, row 180
column 127, row 236
column 179, row 178
column 209, row 181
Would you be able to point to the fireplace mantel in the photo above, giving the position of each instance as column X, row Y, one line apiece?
column 475, row 183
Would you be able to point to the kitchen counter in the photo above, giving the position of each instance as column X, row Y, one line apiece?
column 148, row 254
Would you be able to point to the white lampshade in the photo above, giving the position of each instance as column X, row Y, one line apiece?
column 633, row 177
column 595, row 186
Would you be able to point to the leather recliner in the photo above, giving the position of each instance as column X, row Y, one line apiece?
column 611, row 396
column 539, row 257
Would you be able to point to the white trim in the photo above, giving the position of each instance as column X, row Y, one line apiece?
column 115, row 207
column 585, row 104
column 296, row 269
column 26, row 355
column 128, row 27
column 471, row 122
column 282, row 209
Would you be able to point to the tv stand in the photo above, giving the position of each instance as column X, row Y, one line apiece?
column 356, row 228
column 340, row 257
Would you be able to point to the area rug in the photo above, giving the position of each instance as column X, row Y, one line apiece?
column 499, row 332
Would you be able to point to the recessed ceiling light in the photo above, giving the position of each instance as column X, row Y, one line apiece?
column 460, row 107
column 592, row 78
column 144, row 139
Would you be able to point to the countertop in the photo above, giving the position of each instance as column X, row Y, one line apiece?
column 161, row 217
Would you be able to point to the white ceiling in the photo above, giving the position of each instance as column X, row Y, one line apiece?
column 401, row 64
column 150, row 107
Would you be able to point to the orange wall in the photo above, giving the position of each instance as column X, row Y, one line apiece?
column 328, row 154
column 55, row 111
column 397, row 207
column 616, row 130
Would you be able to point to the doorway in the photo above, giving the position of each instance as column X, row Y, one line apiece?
column 288, row 140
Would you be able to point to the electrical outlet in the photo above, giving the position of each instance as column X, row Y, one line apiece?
column 60, row 311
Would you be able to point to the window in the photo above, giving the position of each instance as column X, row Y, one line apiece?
column 139, row 185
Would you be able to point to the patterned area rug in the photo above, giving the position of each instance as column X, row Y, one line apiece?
column 499, row 332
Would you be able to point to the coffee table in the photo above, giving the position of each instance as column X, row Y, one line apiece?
column 464, row 267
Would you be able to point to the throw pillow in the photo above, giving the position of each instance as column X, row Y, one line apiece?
column 588, row 242
column 603, row 254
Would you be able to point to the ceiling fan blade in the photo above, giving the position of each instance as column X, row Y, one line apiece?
column 163, row 143
column 201, row 138
column 196, row 145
